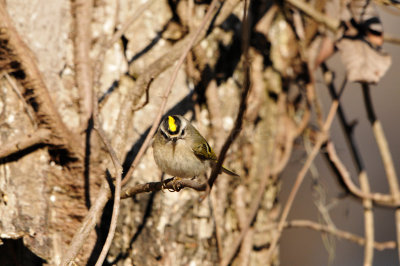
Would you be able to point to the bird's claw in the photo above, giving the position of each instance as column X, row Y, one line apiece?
column 175, row 183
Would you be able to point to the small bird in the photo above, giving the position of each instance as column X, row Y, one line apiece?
column 181, row 151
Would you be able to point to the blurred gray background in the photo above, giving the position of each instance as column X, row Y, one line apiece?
column 302, row 246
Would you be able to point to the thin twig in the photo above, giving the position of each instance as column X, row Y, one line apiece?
column 38, row 137
column 368, row 221
column 391, row 39
column 146, row 101
column 385, row 154
column 168, row 89
column 321, row 139
column 382, row 143
column 100, row 131
column 217, row 216
column 124, row 27
column 117, row 192
column 102, row 198
column 82, row 10
column 388, row 3
column 362, row 174
column 378, row 198
column 304, row 121
column 339, row 233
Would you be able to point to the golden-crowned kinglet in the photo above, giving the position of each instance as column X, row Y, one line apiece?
column 179, row 149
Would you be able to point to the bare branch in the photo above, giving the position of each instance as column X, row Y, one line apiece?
column 381, row 199
column 339, row 233
column 382, row 143
column 385, row 154
column 368, row 221
column 391, row 39
column 117, row 192
column 388, row 3
column 38, row 137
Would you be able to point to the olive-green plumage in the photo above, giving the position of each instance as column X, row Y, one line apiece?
column 181, row 151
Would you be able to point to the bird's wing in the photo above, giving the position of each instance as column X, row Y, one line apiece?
column 204, row 152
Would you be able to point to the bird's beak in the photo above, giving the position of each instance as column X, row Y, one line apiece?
column 174, row 139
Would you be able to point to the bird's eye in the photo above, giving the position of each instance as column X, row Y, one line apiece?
column 183, row 132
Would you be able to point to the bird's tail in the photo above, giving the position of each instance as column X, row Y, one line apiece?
column 227, row 171
column 224, row 169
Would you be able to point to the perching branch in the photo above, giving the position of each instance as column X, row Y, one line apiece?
column 170, row 184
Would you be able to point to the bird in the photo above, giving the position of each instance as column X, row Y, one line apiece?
column 181, row 151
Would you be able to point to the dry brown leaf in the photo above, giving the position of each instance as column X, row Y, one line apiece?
column 365, row 14
column 362, row 62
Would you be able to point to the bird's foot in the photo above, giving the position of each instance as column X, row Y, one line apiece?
column 176, row 184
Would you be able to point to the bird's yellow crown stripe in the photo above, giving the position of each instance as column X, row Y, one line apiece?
column 171, row 124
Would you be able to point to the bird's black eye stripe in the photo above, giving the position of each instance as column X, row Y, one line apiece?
column 164, row 135
column 165, row 124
